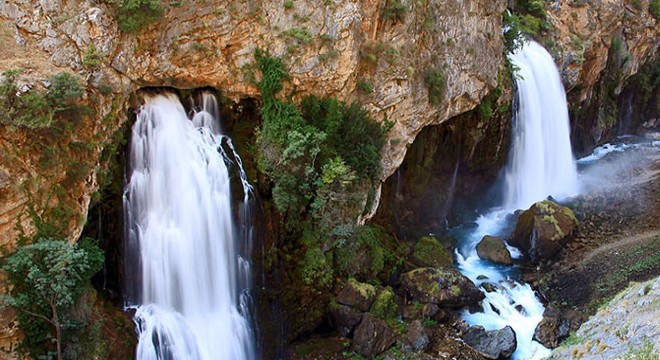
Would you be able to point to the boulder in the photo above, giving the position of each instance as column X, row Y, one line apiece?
column 444, row 287
column 494, row 249
column 556, row 326
column 417, row 336
column 372, row 336
column 428, row 252
column 496, row 344
column 344, row 318
column 358, row 295
column 542, row 230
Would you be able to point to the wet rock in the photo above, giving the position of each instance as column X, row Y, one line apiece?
column 496, row 344
column 494, row 249
column 429, row 252
column 358, row 295
column 444, row 287
column 372, row 336
column 417, row 336
column 556, row 326
column 344, row 318
column 542, row 230
column 489, row 287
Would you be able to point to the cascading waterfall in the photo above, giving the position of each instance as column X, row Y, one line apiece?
column 541, row 164
column 189, row 283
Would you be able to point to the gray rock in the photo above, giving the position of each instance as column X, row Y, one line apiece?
column 417, row 336
column 496, row 344
column 494, row 249
column 443, row 287
column 372, row 336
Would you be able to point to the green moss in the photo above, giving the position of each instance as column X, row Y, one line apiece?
column 367, row 291
column 429, row 252
column 385, row 307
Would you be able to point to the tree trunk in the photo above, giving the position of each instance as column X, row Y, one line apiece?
column 58, row 332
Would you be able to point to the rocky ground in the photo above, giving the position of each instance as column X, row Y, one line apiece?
column 618, row 239
column 628, row 328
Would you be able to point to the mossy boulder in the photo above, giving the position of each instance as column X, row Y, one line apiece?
column 494, row 249
column 385, row 306
column 441, row 286
column 543, row 229
column 429, row 252
column 357, row 295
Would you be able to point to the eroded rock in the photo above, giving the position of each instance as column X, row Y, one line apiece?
column 496, row 344
column 542, row 230
column 372, row 336
column 494, row 249
column 444, row 287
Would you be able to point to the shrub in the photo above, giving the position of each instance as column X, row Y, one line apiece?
column 365, row 86
column 436, row 82
column 135, row 15
column 44, row 280
column 654, row 8
column 301, row 34
column 92, row 58
column 394, row 10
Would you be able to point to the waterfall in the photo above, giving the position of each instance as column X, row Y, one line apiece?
column 540, row 164
column 188, row 266
column 541, row 161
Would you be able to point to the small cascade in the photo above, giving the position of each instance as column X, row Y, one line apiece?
column 541, row 160
column 188, row 260
column 541, row 164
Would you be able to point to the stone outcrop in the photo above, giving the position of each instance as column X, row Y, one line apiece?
column 556, row 326
column 372, row 337
column 543, row 229
column 496, row 344
column 443, row 287
column 494, row 249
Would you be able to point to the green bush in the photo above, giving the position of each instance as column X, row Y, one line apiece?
column 44, row 281
column 394, row 10
column 92, row 58
column 135, row 15
column 34, row 110
column 436, row 83
column 654, row 8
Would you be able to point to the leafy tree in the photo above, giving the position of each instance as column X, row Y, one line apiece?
column 45, row 279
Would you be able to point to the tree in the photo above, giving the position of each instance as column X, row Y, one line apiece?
column 46, row 278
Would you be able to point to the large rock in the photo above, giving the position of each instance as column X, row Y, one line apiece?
column 372, row 336
column 344, row 318
column 417, row 336
column 542, row 230
column 494, row 249
column 556, row 326
column 357, row 295
column 496, row 344
column 429, row 252
column 444, row 287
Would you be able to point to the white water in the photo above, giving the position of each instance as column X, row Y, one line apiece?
column 541, row 164
column 181, row 238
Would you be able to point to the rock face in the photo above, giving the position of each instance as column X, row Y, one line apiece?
column 496, row 344
column 542, row 230
column 372, row 337
column 494, row 249
column 444, row 287
column 626, row 328
column 417, row 336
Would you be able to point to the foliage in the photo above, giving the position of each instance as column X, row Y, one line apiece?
column 134, row 15
column 365, row 86
column 299, row 33
column 394, row 10
column 44, row 280
column 56, row 109
column 92, row 58
column 654, row 8
column 385, row 307
column 436, row 83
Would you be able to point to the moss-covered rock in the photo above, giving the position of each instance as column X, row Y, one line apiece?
column 542, row 230
column 429, row 252
column 385, row 306
column 444, row 287
column 357, row 295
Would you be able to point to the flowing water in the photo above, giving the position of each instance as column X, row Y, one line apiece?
column 187, row 273
column 541, row 164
